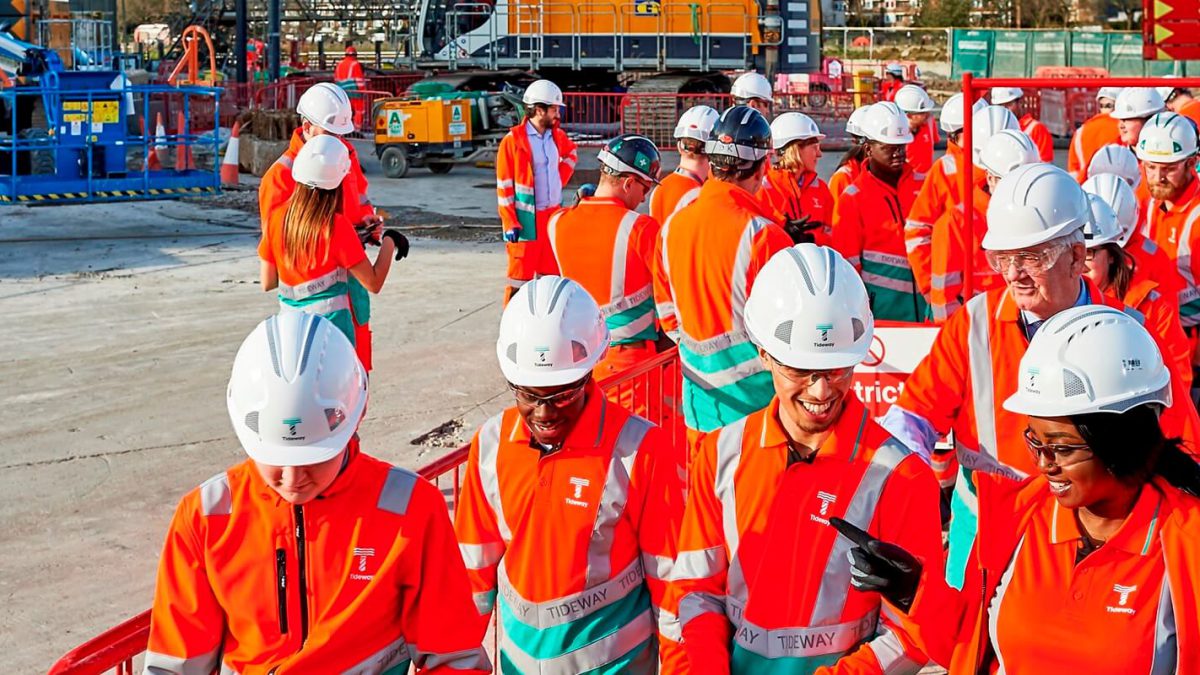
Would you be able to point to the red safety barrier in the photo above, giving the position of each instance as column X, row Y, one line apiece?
column 652, row 386
column 394, row 84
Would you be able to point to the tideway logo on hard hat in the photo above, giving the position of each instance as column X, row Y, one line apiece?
column 542, row 357
column 291, row 423
column 823, row 335
column 1032, row 382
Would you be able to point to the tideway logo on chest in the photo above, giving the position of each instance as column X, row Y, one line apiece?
column 359, row 566
column 1123, row 593
column 578, row 484
column 826, row 499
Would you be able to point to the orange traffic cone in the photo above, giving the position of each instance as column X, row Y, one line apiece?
column 151, row 163
column 160, row 142
column 229, row 165
column 183, row 151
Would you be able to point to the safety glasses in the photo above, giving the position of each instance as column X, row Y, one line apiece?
column 562, row 399
column 811, row 377
column 1032, row 263
column 1062, row 455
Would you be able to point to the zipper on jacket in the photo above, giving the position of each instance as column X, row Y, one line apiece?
column 300, row 557
column 281, row 588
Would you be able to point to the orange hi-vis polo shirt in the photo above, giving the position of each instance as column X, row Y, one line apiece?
column 764, row 579
column 1172, row 225
column 677, row 190
column 572, row 547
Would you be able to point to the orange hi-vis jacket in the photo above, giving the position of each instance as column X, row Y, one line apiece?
column 349, row 74
column 609, row 250
column 1152, row 263
column 275, row 194
column 709, row 254
column 1098, row 131
column 844, row 177
column 573, row 547
column 868, row 229
column 1173, row 227
column 798, row 196
column 939, row 194
column 514, row 177
column 1040, row 135
column 366, row 578
column 765, row 581
column 919, row 154
column 1191, row 110
column 1162, row 320
column 947, row 268
column 677, row 190
column 1026, row 602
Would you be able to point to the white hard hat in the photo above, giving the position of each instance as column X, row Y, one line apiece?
column 697, row 122
column 326, row 105
column 987, row 122
column 544, row 92
column 1137, row 102
column 1090, row 359
column 322, row 162
column 752, row 85
column 1120, row 197
column 913, row 99
column 1167, row 138
column 1006, row 151
column 297, row 391
column 1032, row 205
column 809, row 309
column 1110, row 93
column 952, row 112
column 1002, row 95
column 1165, row 92
column 793, row 126
column 894, row 69
column 551, row 333
column 886, row 123
column 1104, row 227
column 854, row 123
column 1116, row 159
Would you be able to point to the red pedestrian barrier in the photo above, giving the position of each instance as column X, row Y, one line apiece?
column 652, row 384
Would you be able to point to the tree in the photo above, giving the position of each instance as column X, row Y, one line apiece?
column 1116, row 8
column 944, row 13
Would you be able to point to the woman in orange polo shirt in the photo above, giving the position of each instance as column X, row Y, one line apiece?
column 1091, row 565
column 309, row 250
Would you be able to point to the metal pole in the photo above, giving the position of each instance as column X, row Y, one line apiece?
column 273, row 40
column 968, row 190
column 239, row 43
column 321, row 63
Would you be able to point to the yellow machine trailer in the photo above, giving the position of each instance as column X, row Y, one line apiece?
column 440, row 131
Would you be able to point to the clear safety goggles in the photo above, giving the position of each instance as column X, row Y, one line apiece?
column 1032, row 263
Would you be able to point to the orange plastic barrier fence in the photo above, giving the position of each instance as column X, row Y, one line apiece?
column 651, row 387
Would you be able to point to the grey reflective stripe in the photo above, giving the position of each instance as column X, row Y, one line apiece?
column 467, row 659
column 393, row 654
column 481, row 556
column 484, row 601
column 882, row 281
column 165, row 664
column 570, row 607
column 979, row 362
column 613, row 498
column 835, row 582
column 657, row 566
column 552, row 236
column 729, row 454
column 716, row 343
column 622, row 303
column 226, row 670
column 687, row 198
column 780, row 643
column 949, row 167
column 941, row 281
column 721, row 378
column 285, row 161
column 516, row 283
column 850, row 190
column 696, row 604
column 1166, row 640
column 489, row 450
column 216, row 498
column 397, row 491
column 620, row 253
column 890, row 654
column 739, row 284
column 699, row 564
column 996, row 602
column 588, row 657
column 314, row 286
column 668, row 626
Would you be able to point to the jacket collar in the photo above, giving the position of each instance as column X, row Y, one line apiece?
column 1008, row 310
column 843, row 443
column 1138, row 535
column 587, row 432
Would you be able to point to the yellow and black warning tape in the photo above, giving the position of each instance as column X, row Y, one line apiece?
column 61, row 196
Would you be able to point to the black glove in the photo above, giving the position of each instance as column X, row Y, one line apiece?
column 800, row 230
column 399, row 240
column 881, row 567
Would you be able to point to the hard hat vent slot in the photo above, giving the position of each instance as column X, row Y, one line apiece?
column 1072, row 385
column 252, row 421
column 857, row 326
column 783, row 332
column 512, row 352
column 335, row 417
column 579, row 351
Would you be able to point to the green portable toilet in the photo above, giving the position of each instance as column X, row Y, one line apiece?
column 972, row 51
column 1050, row 48
column 1010, row 54
column 1125, row 55
column 1088, row 49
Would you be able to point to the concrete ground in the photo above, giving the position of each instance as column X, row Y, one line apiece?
column 121, row 325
